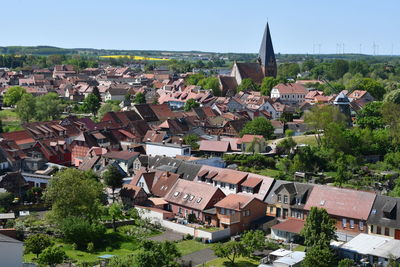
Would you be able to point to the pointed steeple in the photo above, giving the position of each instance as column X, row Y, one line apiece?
column 266, row 55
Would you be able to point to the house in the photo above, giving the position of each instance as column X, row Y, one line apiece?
column 349, row 208
column 14, row 183
column 215, row 148
column 167, row 149
column 283, row 258
column 288, row 231
column 11, row 251
column 124, row 159
column 145, row 180
column 290, row 94
column 146, row 113
column 360, row 94
column 238, row 212
column 164, row 184
column 115, row 94
column 188, row 197
column 371, row 250
column 252, row 143
column 384, row 218
column 132, row 195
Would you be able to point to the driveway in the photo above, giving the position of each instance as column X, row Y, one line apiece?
column 168, row 235
column 199, row 257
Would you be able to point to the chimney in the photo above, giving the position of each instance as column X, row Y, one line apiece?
column 163, row 142
column 218, row 137
column 180, row 142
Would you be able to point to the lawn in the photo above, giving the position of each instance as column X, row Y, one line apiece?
column 305, row 139
column 190, row 246
column 266, row 172
column 116, row 244
column 239, row 262
column 209, row 229
column 300, row 248
column 10, row 120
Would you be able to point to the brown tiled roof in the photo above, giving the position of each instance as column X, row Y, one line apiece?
column 341, row 202
column 230, row 176
column 251, row 182
column 252, row 71
column 215, row 146
column 248, row 138
column 20, row 137
column 163, row 111
column 291, row 88
column 235, row 201
column 228, row 83
column 290, row 225
column 192, row 194
column 130, row 190
column 164, row 184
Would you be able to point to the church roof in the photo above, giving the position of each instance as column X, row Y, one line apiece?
column 266, row 53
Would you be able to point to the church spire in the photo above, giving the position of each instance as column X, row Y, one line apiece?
column 266, row 55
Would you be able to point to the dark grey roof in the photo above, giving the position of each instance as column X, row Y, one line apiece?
column 188, row 171
column 342, row 98
column 167, row 168
column 266, row 54
column 385, row 212
column 7, row 239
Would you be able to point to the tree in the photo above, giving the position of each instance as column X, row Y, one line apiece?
column 115, row 211
column 320, row 117
column 390, row 113
column 154, row 254
column 6, row 200
column 194, row 79
column 371, row 116
column 267, row 84
column 191, row 139
column 108, row 107
column 211, row 83
column 230, row 250
column 258, row 126
column 393, row 96
column 140, row 98
column 285, row 146
column 13, row 95
column 248, row 85
column 96, row 92
column 81, row 231
column 113, row 178
column 26, row 108
column 319, row 255
column 91, row 104
column 253, row 240
column 190, row 104
column 338, row 68
column 373, row 87
column 37, row 243
column 319, row 228
column 76, row 193
column 48, row 107
column 52, row 256
column 346, row 263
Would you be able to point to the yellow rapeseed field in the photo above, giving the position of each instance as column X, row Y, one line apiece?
column 134, row 57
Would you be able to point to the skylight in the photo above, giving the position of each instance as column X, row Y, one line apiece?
column 185, row 196
column 176, row 194
column 199, row 200
column 191, row 197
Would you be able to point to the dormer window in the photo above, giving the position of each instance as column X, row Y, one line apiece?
column 185, row 196
column 199, row 200
column 176, row 194
column 191, row 198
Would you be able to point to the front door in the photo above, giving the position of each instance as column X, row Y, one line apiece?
column 397, row 234
column 278, row 212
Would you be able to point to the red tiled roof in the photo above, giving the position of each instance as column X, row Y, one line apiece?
column 20, row 137
column 124, row 155
column 216, row 146
column 291, row 88
column 290, row 225
column 252, row 182
column 341, row 202
column 248, row 138
column 235, row 201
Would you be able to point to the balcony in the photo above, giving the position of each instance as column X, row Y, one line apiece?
column 229, row 219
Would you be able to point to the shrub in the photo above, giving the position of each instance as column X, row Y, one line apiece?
column 81, row 232
column 199, row 239
column 188, row 237
column 90, row 247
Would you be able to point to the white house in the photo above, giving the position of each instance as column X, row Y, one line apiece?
column 117, row 94
column 290, row 93
column 167, row 149
column 10, row 251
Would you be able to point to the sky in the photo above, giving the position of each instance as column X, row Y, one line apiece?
column 297, row 26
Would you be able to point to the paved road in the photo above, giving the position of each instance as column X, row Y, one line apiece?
column 200, row 257
column 167, row 235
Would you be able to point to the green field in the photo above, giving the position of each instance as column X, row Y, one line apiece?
column 239, row 262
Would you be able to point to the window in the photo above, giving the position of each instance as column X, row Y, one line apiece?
column 191, row 198
column 387, row 231
column 222, row 211
column 372, row 228
column 231, row 186
column 223, row 185
column 352, row 224
column 247, row 212
column 199, row 200
column 344, row 223
column 285, row 199
column 185, row 196
column 279, row 198
column 180, row 210
column 176, row 194
column 271, row 209
column 361, row 225
column 378, row 230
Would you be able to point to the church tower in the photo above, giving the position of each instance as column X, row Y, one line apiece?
column 266, row 56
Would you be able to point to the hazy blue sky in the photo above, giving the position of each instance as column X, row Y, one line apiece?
column 297, row 26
